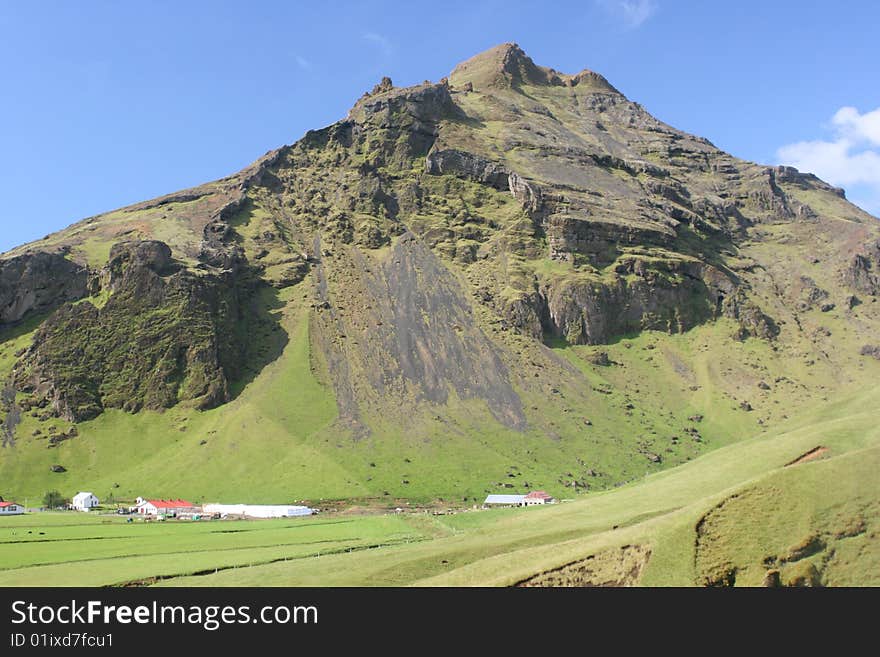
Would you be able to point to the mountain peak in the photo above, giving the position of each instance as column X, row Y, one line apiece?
column 507, row 65
column 504, row 65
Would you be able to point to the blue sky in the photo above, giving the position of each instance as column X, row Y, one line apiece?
column 108, row 103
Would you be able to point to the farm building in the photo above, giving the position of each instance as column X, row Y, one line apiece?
column 504, row 500
column 11, row 509
column 84, row 501
column 534, row 498
column 163, row 507
column 259, row 510
column 537, row 497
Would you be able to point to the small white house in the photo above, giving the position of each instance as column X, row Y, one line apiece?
column 84, row 501
column 11, row 509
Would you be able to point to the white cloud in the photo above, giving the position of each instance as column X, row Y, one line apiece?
column 834, row 161
column 380, row 41
column 632, row 13
column 303, row 63
column 851, row 158
column 858, row 127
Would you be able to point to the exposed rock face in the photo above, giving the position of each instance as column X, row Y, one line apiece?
column 164, row 336
column 752, row 320
column 863, row 272
column 422, row 341
column 12, row 418
column 586, row 313
column 128, row 257
column 38, row 282
column 597, row 240
column 404, row 122
column 809, row 294
column 467, row 165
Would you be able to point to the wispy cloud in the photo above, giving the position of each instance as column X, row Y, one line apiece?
column 303, row 63
column 631, row 13
column 380, row 41
column 850, row 158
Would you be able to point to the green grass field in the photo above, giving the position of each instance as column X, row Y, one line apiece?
column 75, row 549
column 729, row 516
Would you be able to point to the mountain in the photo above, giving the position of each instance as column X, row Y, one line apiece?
column 513, row 278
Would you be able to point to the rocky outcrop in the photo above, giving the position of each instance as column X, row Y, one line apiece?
column 672, row 296
column 38, row 282
column 126, row 257
column 790, row 175
column 474, row 167
column 528, row 194
column 12, row 415
column 398, row 125
column 466, row 165
column 164, row 336
column 752, row 320
column 863, row 272
column 594, row 312
column 599, row 241
column 528, row 313
column 218, row 248
column 807, row 294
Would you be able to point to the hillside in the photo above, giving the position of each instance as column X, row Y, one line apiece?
column 768, row 511
column 512, row 278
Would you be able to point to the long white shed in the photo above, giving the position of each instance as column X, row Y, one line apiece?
column 505, row 500
column 258, row 510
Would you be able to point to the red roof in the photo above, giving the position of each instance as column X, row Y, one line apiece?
column 170, row 504
column 5, row 504
column 538, row 495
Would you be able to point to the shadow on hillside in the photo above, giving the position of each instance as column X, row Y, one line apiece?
column 30, row 322
column 261, row 336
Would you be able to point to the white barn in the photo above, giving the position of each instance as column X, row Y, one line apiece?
column 84, row 501
column 258, row 510
column 11, row 509
column 504, row 500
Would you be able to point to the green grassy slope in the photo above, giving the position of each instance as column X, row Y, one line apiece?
column 277, row 441
column 741, row 509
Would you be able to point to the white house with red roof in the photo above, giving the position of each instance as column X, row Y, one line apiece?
column 10, row 509
column 163, row 507
column 537, row 497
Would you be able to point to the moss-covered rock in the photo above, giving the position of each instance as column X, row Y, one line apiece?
column 164, row 336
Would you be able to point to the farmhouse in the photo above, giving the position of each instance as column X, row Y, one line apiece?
column 11, row 509
column 537, row 497
column 163, row 507
column 84, row 501
column 504, row 500
column 259, row 510
column 534, row 498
